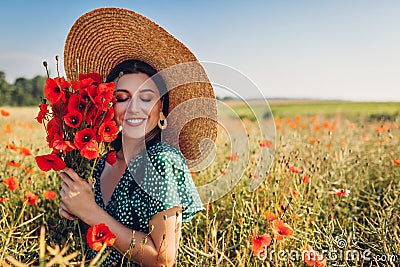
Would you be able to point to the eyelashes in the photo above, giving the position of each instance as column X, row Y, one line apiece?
column 126, row 99
column 122, row 99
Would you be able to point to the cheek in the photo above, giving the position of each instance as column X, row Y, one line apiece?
column 119, row 112
column 155, row 114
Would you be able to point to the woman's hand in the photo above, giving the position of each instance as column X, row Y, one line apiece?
column 77, row 196
column 65, row 212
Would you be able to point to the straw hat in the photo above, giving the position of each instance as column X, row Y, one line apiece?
column 105, row 37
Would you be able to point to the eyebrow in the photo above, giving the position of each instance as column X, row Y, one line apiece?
column 140, row 91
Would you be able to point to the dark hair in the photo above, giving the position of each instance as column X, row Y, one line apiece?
column 136, row 66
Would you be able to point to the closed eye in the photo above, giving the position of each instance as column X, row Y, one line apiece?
column 122, row 99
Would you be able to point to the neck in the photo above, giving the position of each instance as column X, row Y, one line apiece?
column 132, row 148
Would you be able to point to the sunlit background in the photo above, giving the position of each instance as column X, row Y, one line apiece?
column 329, row 49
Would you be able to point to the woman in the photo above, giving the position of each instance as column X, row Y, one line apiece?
column 146, row 195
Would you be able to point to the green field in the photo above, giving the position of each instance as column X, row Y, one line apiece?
column 321, row 148
column 321, row 108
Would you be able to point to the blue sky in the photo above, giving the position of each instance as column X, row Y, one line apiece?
column 331, row 49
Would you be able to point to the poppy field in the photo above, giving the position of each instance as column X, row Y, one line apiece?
column 331, row 196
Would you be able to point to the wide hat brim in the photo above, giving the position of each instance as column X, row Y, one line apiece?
column 105, row 37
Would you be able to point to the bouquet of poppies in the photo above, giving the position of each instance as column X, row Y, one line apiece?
column 78, row 118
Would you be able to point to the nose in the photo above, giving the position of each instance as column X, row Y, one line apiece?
column 133, row 106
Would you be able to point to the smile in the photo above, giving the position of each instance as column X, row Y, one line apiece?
column 134, row 122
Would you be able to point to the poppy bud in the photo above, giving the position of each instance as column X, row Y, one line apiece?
column 47, row 71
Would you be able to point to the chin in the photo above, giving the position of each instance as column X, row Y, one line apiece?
column 133, row 134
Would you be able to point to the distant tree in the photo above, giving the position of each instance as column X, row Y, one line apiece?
column 38, row 83
column 4, row 90
column 24, row 92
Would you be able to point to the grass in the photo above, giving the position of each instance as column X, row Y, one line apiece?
column 339, row 145
column 321, row 108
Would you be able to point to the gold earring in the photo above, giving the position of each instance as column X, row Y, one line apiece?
column 162, row 122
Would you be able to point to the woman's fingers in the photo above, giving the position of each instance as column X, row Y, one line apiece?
column 66, row 179
column 64, row 207
column 72, row 174
column 65, row 214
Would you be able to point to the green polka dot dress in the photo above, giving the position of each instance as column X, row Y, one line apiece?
column 152, row 182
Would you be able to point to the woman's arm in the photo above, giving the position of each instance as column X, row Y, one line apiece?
column 165, row 227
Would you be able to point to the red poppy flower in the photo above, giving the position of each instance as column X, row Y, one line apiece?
column 294, row 169
column 76, row 103
column 75, row 85
column 105, row 94
column 83, row 137
column 294, row 193
column 92, row 115
column 4, row 113
column 96, row 77
column 29, row 170
column 84, row 94
column 8, row 128
column 12, row 147
column 321, row 261
column 99, row 234
column 59, row 144
column 25, row 151
column 270, row 216
column 31, row 198
column 11, row 183
column 109, row 114
column 310, row 255
column 73, row 119
column 50, row 161
column 397, row 162
column 111, row 157
column 79, row 85
column 342, row 192
column 54, row 89
column 49, row 194
column 53, row 128
column 42, row 113
column 59, row 109
column 92, row 92
column 2, row 199
column 306, row 179
column 13, row 163
column 281, row 230
column 254, row 175
column 233, row 157
column 267, row 143
column 90, row 150
column 102, row 95
column 259, row 242
column 108, row 131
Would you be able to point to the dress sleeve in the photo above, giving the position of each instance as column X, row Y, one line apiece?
column 169, row 184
